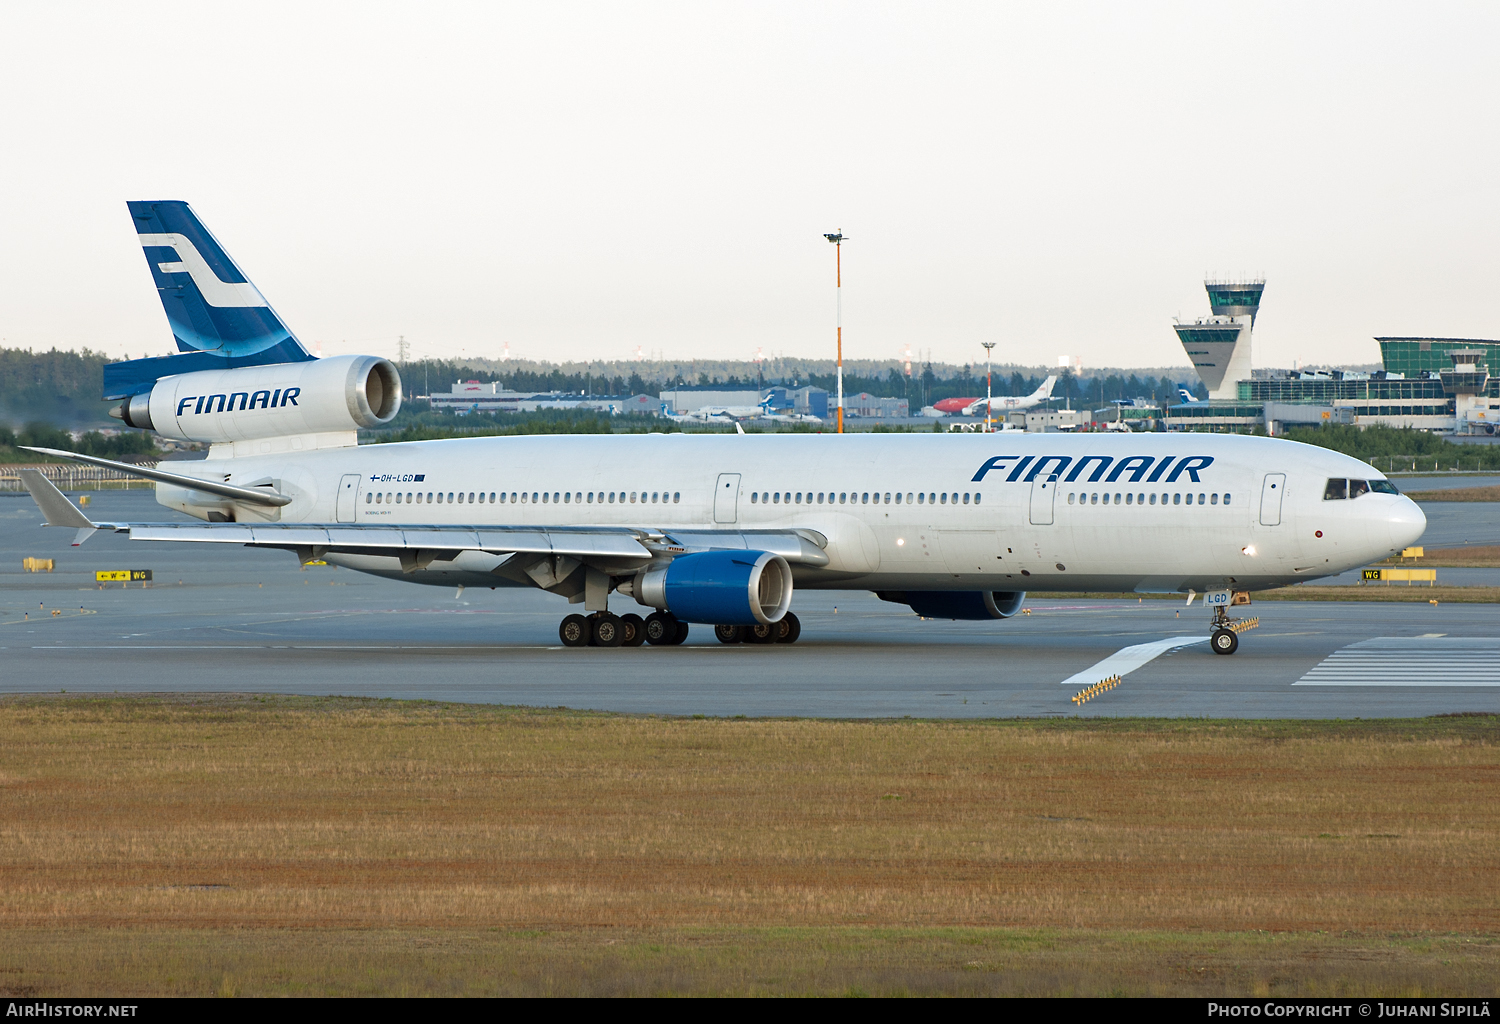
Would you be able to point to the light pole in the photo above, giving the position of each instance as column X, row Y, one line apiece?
column 837, row 238
column 988, row 346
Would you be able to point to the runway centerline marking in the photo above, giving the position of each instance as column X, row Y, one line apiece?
column 1128, row 659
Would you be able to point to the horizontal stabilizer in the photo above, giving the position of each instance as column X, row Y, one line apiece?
column 253, row 495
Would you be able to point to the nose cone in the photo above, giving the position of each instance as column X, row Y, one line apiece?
column 1406, row 522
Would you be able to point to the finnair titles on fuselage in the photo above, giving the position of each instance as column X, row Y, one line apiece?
column 713, row 529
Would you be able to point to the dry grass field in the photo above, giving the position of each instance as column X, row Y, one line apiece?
column 1474, row 557
column 1457, row 494
column 265, row 845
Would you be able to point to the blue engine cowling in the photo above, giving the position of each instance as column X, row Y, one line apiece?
column 946, row 604
column 721, row 588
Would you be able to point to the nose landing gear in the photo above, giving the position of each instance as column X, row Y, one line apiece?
column 1225, row 638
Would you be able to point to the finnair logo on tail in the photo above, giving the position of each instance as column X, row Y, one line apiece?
column 190, row 261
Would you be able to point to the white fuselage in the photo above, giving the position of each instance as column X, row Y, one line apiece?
column 898, row 511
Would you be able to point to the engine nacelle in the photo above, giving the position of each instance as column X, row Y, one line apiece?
column 341, row 393
column 721, row 588
column 970, row 605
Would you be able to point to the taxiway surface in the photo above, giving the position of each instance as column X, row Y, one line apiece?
column 244, row 620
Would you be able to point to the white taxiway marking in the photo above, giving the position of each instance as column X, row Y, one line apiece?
column 1410, row 661
column 1128, row 659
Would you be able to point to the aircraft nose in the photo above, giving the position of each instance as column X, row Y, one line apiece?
column 1406, row 523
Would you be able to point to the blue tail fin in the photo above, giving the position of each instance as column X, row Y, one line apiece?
column 217, row 316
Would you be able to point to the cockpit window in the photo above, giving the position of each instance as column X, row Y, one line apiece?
column 1338, row 490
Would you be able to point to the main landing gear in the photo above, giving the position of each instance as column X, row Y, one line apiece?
column 663, row 629
column 785, row 631
column 601, row 629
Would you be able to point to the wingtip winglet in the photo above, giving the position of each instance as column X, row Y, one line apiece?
column 56, row 506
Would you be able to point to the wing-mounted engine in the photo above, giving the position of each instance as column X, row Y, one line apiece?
column 958, row 604
column 324, row 401
column 739, row 588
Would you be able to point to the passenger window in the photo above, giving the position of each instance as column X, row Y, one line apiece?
column 842, row 496
column 966, row 499
column 632, row 497
column 1226, row 498
column 921, row 499
column 866, row 498
column 369, row 498
column 1153, row 499
column 1129, row 499
column 1070, row 497
column 1140, row 499
column 1378, row 486
column 568, row 497
column 380, row 498
column 676, row 497
column 820, row 497
column 1200, row 499
column 1336, row 490
column 1357, row 488
column 1177, row 499
column 1213, row 499
column 932, row 499
column 945, row 499
column 776, row 498
column 754, row 497
column 1094, row 499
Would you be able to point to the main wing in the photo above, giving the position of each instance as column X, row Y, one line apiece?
column 547, row 557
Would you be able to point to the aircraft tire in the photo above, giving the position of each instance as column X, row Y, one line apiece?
column 635, row 629
column 1224, row 641
column 608, row 631
column 728, row 634
column 574, row 631
column 682, row 633
column 761, row 633
column 660, row 629
column 788, row 629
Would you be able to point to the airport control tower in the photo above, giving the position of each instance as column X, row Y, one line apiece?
column 1220, row 345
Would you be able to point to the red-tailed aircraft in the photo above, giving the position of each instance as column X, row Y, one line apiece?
column 975, row 406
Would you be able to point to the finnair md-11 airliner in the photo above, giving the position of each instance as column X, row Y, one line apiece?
column 711, row 529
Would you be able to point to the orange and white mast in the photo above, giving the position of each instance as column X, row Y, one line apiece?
column 837, row 238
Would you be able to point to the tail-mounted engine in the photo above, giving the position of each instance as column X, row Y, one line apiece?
column 342, row 393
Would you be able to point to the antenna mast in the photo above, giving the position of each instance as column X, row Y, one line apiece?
column 837, row 238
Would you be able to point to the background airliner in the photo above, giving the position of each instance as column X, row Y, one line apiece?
column 976, row 406
column 712, row 529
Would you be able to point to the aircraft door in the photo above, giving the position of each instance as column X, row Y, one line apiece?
column 1270, row 499
column 1043, row 494
column 727, row 498
column 348, row 492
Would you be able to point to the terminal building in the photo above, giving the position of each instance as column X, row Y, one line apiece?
column 1442, row 385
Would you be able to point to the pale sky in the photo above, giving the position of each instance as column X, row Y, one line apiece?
column 577, row 180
